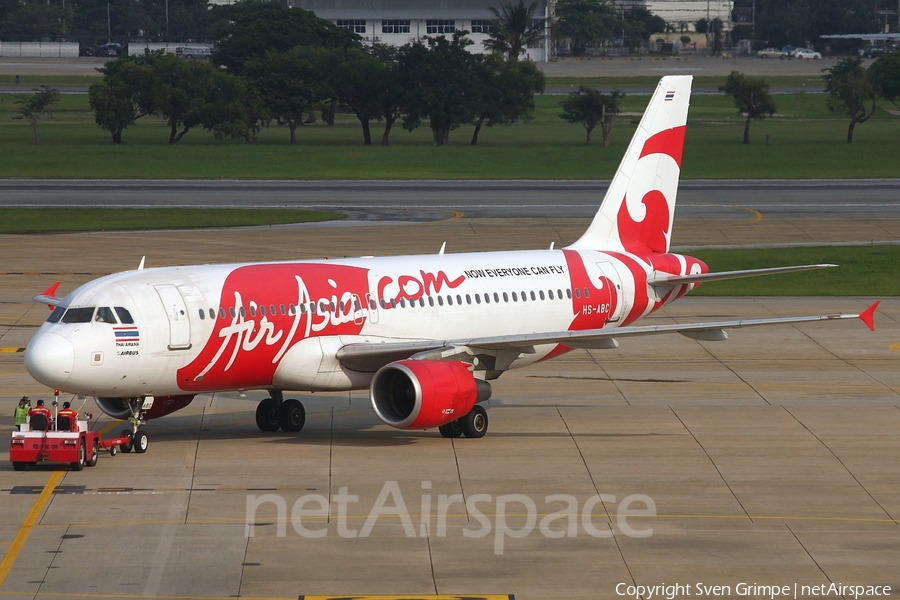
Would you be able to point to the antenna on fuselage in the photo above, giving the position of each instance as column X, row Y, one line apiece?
column 443, row 247
column 141, row 266
column 552, row 244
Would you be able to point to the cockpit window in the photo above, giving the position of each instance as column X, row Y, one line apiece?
column 78, row 315
column 105, row 315
column 124, row 316
column 56, row 315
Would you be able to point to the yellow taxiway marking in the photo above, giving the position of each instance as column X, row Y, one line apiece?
column 28, row 524
column 895, row 346
column 11, row 350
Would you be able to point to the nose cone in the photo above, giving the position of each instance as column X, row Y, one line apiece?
column 49, row 358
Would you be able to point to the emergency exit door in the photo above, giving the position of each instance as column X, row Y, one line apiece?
column 176, row 311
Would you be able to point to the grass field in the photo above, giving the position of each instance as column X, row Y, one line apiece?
column 51, row 220
column 803, row 141
column 862, row 270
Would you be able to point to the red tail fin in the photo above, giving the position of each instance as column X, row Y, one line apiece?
column 868, row 315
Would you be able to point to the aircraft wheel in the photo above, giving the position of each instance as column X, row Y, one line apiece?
column 79, row 464
column 451, row 429
column 19, row 466
column 291, row 415
column 474, row 424
column 95, row 454
column 140, row 441
column 267, row 415
column 113, row 450
column 126, row 447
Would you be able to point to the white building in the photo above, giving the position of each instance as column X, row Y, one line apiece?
column 685, row 11
column 399, row 22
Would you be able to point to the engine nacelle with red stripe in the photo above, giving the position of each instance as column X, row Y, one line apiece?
column 420, row 394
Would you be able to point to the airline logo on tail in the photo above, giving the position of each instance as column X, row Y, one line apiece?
column 636, row 214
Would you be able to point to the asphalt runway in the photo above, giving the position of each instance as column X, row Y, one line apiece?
column 429, row 200
column 767, row 459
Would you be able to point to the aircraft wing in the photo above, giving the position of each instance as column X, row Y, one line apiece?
column 371, row 356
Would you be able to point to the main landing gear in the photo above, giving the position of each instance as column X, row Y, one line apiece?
column 473, row 425
column 277, row 413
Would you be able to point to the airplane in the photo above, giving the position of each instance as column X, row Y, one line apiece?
column 425, row 334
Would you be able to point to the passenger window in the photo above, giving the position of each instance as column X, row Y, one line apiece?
column 393, row 303
column 292, row 310
column 252, row 310
column 283, row 310
column 468, row 299
column 577, row 293
column 496, row 298
column 78, row 315
column 515, row 297
column 202, row 315
column 303, row 308
column 262, row 310
column 383, row 303
column 459, row 299
column 212, row 314
column 587, row 293
column 533, row 297
column 487, row 298
column 124, row 316
column 222, row 313
column 449, row 300
column 525, row 296
column 430, row 301
column 372, row 304
column 568, row 293
column 105, row 315
column 422, row 302
column 441, row 300
column 402, row 303
column 549, row 294
column 272, row 310
column 232, row 311
column 559, row 293
column 505, row 297
column 56, row 315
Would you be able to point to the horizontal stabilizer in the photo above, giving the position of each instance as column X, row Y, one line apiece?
column 660, row 278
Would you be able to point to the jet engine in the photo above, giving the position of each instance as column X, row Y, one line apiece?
column 420, row 394
column 159, row 406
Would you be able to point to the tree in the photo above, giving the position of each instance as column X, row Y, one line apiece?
column 751, row 97
column 125, row 93
column 507, row 92
column 288, row 85
column 640, row 24
column 394, row 94
column 33, row 106
column 885, row 76
column 850, row 91
column 590, row 107
column 270, row 27
column 442, row 84
column 358, row 80
column 585, row 22
column 515, row 29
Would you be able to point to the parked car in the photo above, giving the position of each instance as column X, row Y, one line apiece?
column 871, row 52
column 199, row 52
column 789, row 50
column 110, row 49
column 807, row 54
column 771, row 53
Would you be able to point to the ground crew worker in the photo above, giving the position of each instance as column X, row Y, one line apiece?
column 67, row 412
column 40, row 411
column 22, row 412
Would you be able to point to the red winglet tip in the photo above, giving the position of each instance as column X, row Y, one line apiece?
column 51, row 291
column 868, row 315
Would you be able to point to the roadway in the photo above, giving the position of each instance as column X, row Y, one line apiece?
column 428, row 200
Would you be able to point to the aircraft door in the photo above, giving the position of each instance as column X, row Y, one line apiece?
column 176, row 311
column 372, row 308
column 608, row 269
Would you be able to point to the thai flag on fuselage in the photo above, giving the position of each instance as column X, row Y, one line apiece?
column 669, row 96
column 127, row 334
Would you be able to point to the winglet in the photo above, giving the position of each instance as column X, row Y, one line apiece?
column 49, row 296
column 868, row 315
